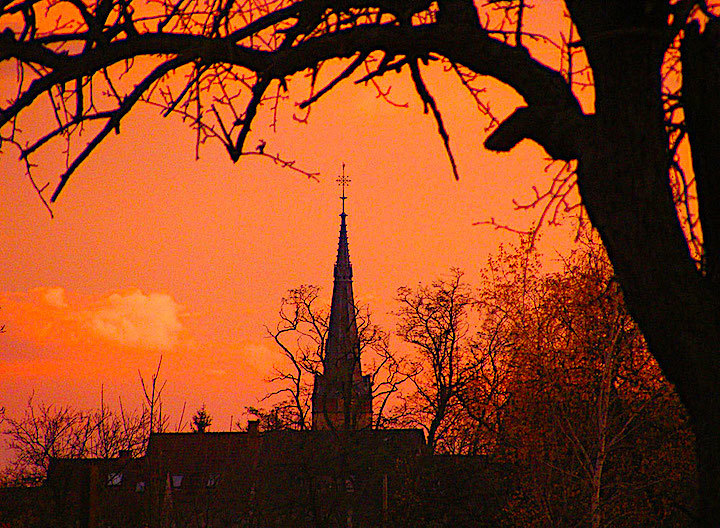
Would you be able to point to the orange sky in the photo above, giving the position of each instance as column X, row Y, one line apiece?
column 152, row 252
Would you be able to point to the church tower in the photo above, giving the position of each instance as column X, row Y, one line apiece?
column 342, row 396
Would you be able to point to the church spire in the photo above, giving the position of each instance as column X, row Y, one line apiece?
column 341, row 395
column 342, row 351
column 343, row 268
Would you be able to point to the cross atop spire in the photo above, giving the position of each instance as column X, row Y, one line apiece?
column 343, row 181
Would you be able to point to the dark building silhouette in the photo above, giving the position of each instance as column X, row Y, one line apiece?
column 342, row 396
column 304, row 479
column 227, row 480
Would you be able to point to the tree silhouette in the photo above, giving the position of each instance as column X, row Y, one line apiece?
column 433, row 320
column 87, row 65
column 45, row 431
column 201, row 420
column 596, row 434
column 301, row 336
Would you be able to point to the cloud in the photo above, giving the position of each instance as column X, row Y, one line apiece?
column 130, row 318
column 137, row 320
column 54, row 297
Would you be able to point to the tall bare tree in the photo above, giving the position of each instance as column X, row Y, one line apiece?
column 455, row 366
column 300, row 335
column 434, row 321
column 218, row 63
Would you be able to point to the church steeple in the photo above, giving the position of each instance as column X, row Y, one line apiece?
column 343, row 268
column 342, row 395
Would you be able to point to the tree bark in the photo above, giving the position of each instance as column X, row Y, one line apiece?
column 701, row 105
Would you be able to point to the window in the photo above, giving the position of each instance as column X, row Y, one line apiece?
column 114, row 479
column 176, row 481
column 140, row 487
column 212, row 481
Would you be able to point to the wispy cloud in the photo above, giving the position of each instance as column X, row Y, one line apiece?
column 55, row 297
column 128, row 318
column 135, row 319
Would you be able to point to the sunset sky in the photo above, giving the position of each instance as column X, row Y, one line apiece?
column 153, row 253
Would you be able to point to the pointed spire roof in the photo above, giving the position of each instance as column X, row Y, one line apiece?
column 342, row 349
column 342, row 396
column 343, row 268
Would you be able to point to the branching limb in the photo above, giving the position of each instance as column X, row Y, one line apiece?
column 429, row 101
column 117, row 115
column 347, row 72
column 257, row 41
column 549, row 126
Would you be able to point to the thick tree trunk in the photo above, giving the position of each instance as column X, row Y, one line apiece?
column 707, row 440
column 623, row 181
column 701, row 104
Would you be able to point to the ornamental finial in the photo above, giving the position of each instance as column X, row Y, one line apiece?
column 343, row 181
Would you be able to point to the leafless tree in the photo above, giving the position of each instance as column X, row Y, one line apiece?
column 46, row 431
column 301, row 335
column 447, row 368
column 152, row 406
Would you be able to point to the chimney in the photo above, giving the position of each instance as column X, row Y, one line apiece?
column 253, row 427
